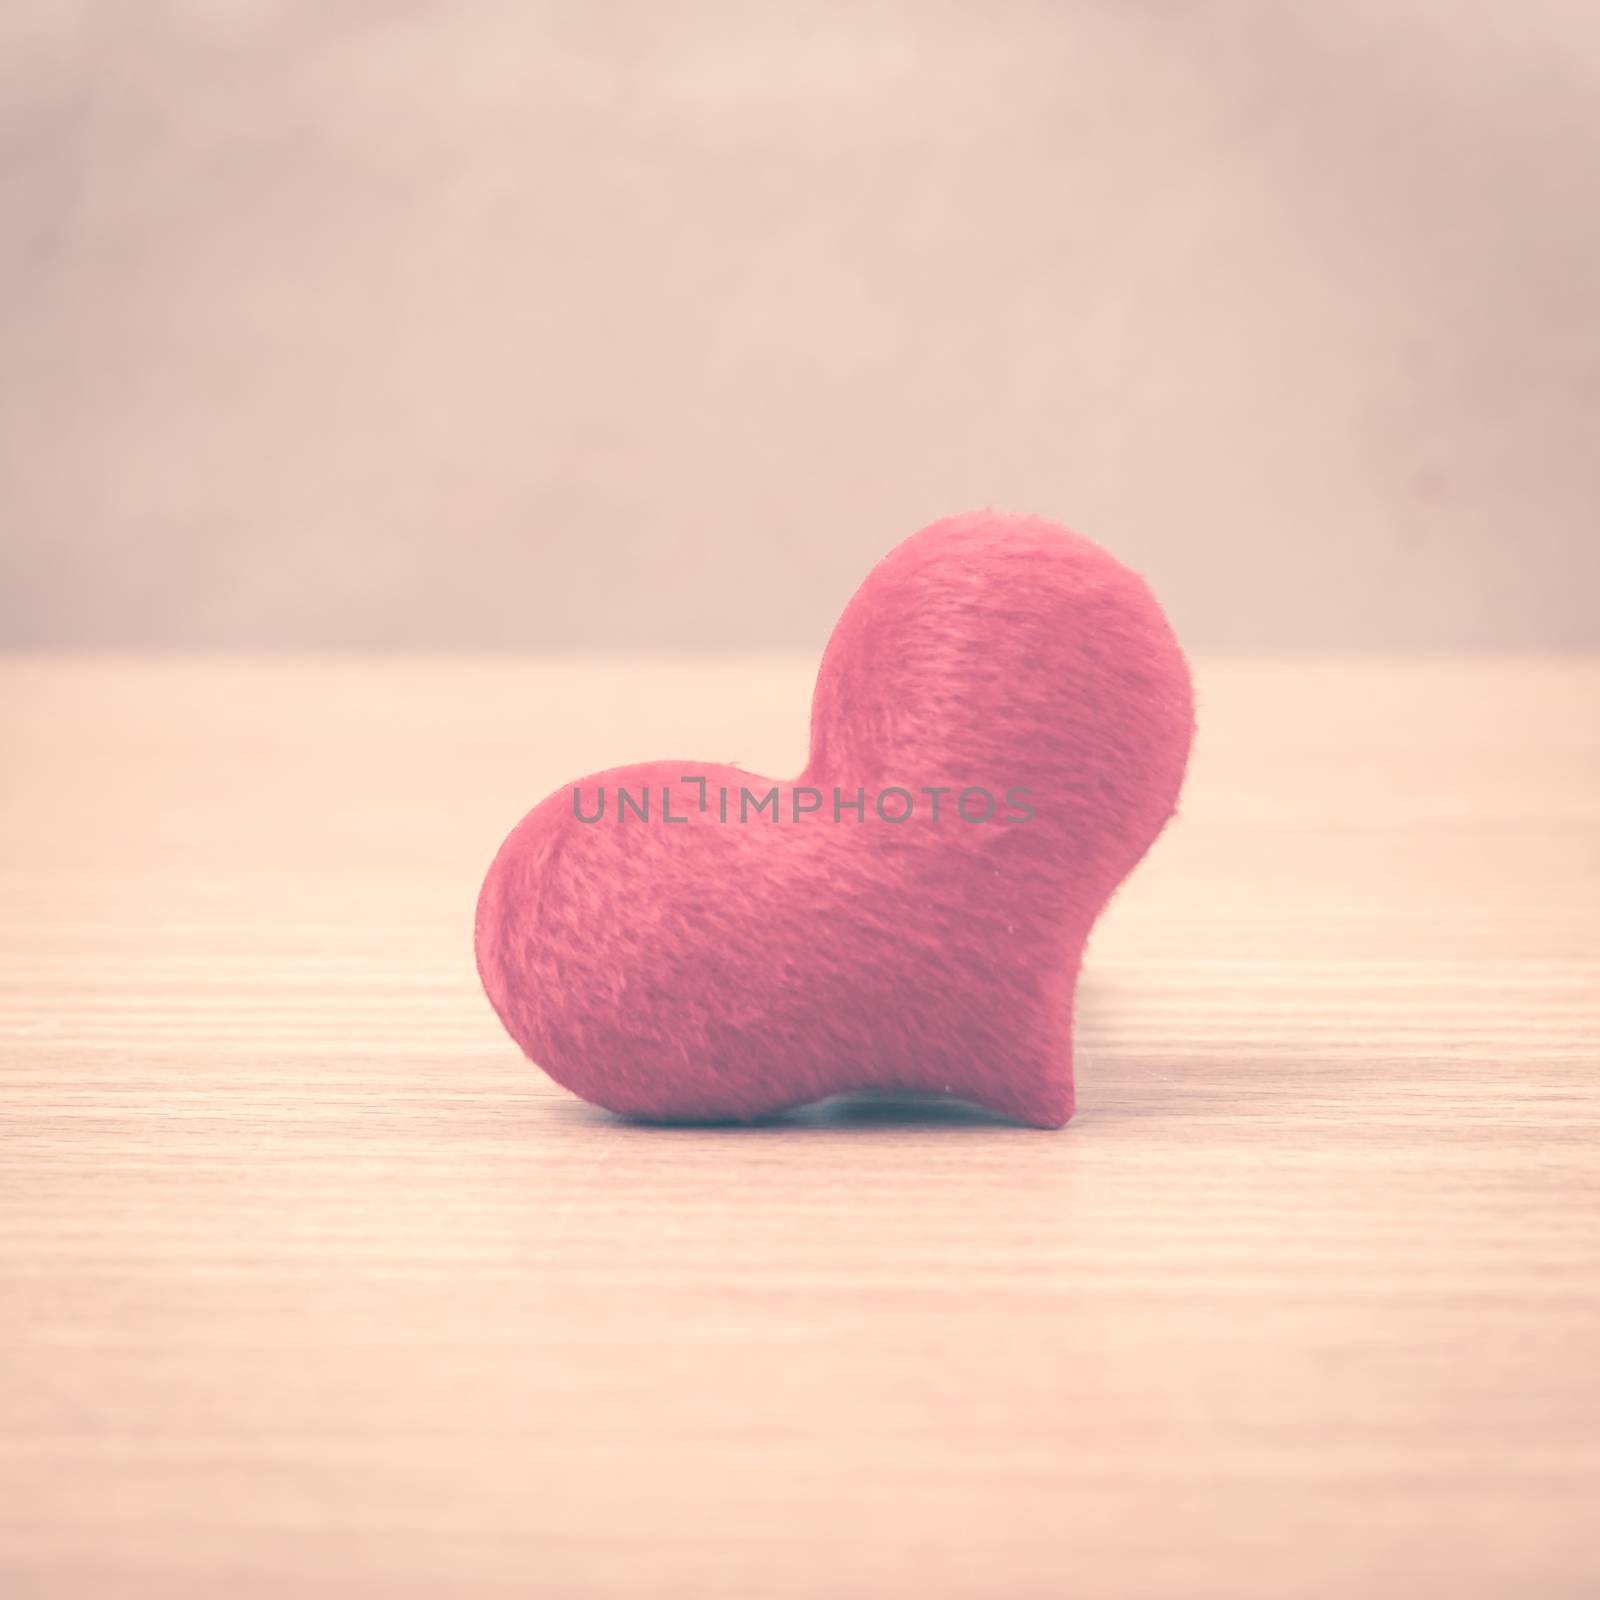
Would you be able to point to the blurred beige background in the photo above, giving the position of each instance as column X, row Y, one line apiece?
column 589, row 324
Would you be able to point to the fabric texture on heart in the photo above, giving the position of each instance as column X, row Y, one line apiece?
column 1000, row 729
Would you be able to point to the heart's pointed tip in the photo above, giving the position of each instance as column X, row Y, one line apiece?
column 1050, row 1121
column 1043, row 1106
column 1047, row 1121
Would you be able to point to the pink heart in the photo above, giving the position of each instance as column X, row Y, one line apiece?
column 696, row 963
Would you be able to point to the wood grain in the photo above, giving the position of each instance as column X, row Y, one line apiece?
column 312, row 1286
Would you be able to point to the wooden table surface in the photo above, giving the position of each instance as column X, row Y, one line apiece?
column 310, row 1285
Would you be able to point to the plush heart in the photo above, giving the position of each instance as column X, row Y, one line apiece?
column 999, row 731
